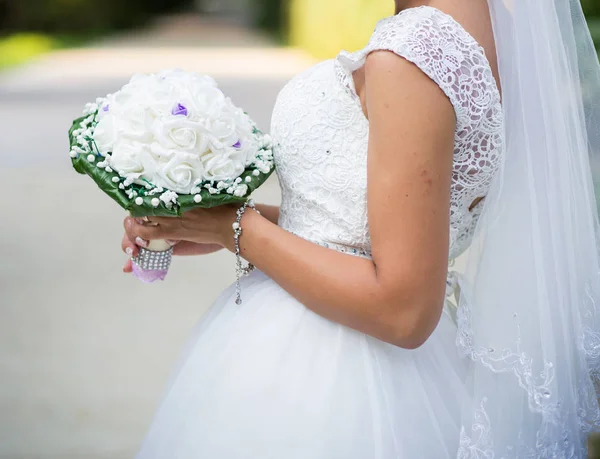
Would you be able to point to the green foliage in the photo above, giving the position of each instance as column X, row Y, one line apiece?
column 80, row 15
column 594, row 24
column 271, row 14
column 323, row 28
column 591, row 7
column 19, row 48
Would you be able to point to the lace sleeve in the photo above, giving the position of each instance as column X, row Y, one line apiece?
column 442, row 49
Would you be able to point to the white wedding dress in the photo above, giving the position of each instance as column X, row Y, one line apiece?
column 272, row 379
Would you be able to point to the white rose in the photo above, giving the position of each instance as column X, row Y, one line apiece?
column 179, row 133
column 139, row 85
column 248, row 148
column 184, row 137
column 224, row 130
column 226, row 164
column 245, row 132
column 206, row 101
column 133, row 158
column 179, row 173
column 135, row 122
column 105, row 134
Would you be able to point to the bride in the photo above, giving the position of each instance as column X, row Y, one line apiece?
column 463, row 124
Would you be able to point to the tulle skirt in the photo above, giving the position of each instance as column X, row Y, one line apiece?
column 272, row 379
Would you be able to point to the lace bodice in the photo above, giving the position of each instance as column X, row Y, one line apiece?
column 321, row 133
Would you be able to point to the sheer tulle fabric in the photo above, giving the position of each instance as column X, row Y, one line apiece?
column 528, row 314
column 271, row 379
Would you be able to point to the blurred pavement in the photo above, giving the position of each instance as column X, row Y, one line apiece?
column 84, row 349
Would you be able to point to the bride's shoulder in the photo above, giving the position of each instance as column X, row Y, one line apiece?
column 442, row 49
column 421, row 30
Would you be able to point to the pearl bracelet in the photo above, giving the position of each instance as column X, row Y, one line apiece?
column 240, row 270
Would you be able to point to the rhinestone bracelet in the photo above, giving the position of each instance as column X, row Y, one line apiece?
column 240, row 270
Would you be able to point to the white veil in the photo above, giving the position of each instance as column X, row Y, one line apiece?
column 529, row 313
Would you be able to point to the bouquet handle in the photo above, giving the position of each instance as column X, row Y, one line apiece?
column 153, row 262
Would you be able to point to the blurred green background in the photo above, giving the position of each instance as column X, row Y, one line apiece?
column 31, row 27
column 592, row 10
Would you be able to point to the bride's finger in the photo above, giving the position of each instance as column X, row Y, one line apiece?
column 127, row 225
column 127, row 268
column 129, row 247
column 144, row 233
column 133, row 229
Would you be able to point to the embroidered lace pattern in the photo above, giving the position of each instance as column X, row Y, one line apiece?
column 321, row 133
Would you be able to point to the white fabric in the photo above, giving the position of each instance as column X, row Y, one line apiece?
column 270, row 378
column 323, row 134
column 528, row 315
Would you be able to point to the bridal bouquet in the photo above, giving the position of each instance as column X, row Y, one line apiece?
column 166, row 143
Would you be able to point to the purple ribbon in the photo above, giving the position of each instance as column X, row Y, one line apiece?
column 148, row 276
column 238, row 144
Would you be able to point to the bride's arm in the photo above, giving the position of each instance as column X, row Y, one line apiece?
column 187, row 248
column 397, row 297
column 271, row 213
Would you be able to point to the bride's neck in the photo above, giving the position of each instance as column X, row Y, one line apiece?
column 405, row 4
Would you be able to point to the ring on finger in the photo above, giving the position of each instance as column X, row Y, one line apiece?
column 148, row 222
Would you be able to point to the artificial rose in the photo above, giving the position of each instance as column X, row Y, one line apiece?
column 135, row 122
column 247, row 143
column 132, row 158
column 105, row 135
column 223, row 129
column 226, row 164
column 247, row 146
column 179, row 173
column 179, row 133
column 184, row 137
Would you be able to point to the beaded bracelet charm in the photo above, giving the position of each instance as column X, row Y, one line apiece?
column 240, row 270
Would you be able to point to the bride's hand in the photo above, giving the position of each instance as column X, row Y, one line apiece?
column 198, row 232
column 180, row 248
